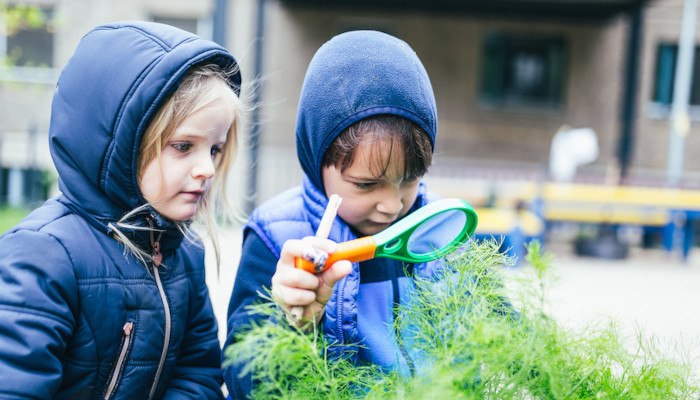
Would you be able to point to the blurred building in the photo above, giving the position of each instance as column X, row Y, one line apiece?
column 37, row 55
column 507, row 74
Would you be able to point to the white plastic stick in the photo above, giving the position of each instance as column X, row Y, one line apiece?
column 324, row 229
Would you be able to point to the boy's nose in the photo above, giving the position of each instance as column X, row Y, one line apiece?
column 390, row 202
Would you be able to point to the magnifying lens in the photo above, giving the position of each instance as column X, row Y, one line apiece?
column 430, row 232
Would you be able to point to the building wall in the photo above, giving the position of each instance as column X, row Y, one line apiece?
column 662, row 24
column 26, row 103
column 473, row 137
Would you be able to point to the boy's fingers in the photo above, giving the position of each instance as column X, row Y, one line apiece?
column 298, row 248
column 297, row 287
column 330, row 277
column 293, row 277
column 326, row 245
column 293, row 296
column 291, row 249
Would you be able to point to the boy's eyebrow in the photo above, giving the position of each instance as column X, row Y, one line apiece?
column 362, row 178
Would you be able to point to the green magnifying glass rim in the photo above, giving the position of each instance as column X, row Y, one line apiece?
column 393, row 241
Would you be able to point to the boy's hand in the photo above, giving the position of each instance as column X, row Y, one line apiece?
column 296, row 287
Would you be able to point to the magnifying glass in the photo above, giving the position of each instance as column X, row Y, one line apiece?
column 430, row 232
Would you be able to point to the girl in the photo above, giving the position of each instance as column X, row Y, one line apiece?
column 102, row 290
column 366, row 129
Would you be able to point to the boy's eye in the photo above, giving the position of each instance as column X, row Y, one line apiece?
column 411, row 179
column 364, row 185
column 182, row 146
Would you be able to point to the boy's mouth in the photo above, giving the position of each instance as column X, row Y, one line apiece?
column 380, row 224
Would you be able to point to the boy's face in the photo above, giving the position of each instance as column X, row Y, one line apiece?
column 175, row 184
column 371, row 203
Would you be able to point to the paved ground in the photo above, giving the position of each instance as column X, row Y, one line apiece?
column 650, row 290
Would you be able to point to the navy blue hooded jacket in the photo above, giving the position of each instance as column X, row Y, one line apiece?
column 353, row 76
column 80, row 319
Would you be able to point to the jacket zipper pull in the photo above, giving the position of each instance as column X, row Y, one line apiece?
column 157, row 257
column 117, row 370
column 127, row 328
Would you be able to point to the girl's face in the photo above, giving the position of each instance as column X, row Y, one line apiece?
column 175, row 184
column 371, row 203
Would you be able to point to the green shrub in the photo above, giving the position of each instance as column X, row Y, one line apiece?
column 478, row 347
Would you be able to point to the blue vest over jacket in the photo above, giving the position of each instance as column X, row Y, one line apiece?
column 297, row 213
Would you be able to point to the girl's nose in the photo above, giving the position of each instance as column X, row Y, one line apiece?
column 204, row 167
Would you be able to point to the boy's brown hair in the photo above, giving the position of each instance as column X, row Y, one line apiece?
column 413, row 141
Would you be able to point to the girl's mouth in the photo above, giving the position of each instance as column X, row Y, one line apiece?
column 195, row 195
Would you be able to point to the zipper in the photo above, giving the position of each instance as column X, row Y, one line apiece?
column 166, row 340
column 157, row 257
column 127, row 340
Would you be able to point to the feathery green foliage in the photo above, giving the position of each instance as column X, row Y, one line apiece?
column 469, row 343
column 292, row 364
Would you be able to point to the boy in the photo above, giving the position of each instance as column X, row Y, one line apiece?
column 366, row 130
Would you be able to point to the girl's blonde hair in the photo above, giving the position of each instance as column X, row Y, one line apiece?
column 201, row 86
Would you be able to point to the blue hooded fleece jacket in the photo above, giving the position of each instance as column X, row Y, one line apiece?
column 80, row 319
column 353, row 76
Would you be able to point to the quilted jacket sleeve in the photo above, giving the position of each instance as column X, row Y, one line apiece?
column 198, row 373
column 255, row 272
column 38, row 299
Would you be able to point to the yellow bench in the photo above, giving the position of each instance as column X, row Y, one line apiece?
column 612, row 204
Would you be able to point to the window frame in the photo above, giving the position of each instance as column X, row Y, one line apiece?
column 665, row 59
column 498, row 85
column 42, row 74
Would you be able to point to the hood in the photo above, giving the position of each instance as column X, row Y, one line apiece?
column 353, row 76
column 105, row 98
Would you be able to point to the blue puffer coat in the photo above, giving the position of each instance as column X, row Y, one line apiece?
column 80, row 320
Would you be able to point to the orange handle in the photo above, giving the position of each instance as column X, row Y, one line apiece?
column 355, row 251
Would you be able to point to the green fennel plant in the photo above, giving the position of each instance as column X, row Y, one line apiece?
column 472, row 344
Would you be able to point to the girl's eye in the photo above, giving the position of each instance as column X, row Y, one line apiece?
column 216, row 150
column 182, row 147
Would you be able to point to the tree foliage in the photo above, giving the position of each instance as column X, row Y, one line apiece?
column 20, row 17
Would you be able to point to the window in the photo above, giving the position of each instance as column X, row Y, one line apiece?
column 23, row 186
column 28, row 36
column 27, row 44
column 666, row 57
column 522, row 70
